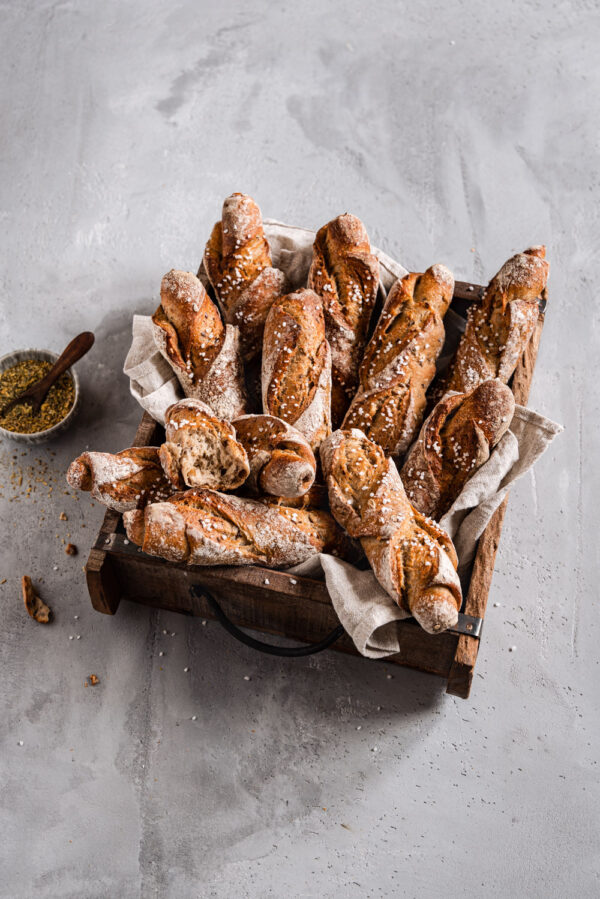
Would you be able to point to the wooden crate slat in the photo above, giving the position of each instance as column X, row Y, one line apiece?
column 296, row 615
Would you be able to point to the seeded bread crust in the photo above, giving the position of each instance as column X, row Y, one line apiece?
column 121, row 481
column 296, row 365
column 345, row 274
column 280, row 458
column 500, row 327
column 203, row 527
column 399, row 360
column 456, row 440
column 237, row 260
column 202, row 351
column 412, row 558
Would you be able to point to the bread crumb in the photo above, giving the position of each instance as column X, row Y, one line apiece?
column 35, row 606
column 63, row 517
column 71, row 549
column 94, row 680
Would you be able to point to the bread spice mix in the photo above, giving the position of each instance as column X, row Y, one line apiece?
column 56, row 406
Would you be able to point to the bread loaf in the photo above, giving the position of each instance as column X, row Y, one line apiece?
column 203, row 353
column 314, row 510
column 456, row 439
column 500, row 327
column 280, row 458
column 121, row 481
column 200, row 449
column 412, row 558
column 203, row 527
column 296, row 365
column 238, row 263
column 345, row 274
column 399, row 360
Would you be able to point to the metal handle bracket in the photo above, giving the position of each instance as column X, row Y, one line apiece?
column 260, row 645
column 468, row 625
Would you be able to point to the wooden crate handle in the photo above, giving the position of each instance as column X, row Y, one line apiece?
column 259, row 645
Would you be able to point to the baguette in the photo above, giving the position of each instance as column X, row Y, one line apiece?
column 413, row 559
column 500, row 327
column 203, row 353
column 399, row 361
column 280, row 458
column 237, row 261
column 201, row 450
column 345, row 274
column 203, row 527
column 121, row 481
column 296, row 365
column 454, row 442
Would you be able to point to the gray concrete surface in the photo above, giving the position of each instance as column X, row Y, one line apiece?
column 460, row 132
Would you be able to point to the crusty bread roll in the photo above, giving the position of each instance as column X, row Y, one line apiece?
column 121, row 481
column 238, row 263
column 345, row 274
column 456, row 439
column 500, row 327
column 203, row 527
column 280, row 458
column 399, row 361
column 203, row 353
column 296, row 365
column 412, row 558
column 200, row 449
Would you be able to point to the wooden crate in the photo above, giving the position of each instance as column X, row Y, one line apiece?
column 298, row 607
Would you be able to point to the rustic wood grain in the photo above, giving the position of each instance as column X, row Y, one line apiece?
column 464, row 290
column 102, row 585
column 148, row 432
column 301, row 611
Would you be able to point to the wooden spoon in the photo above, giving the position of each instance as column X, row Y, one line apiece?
column 36, row 394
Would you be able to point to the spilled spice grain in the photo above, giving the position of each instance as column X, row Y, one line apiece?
column 55, row 407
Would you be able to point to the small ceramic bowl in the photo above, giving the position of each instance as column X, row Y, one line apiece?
column 40, row 436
